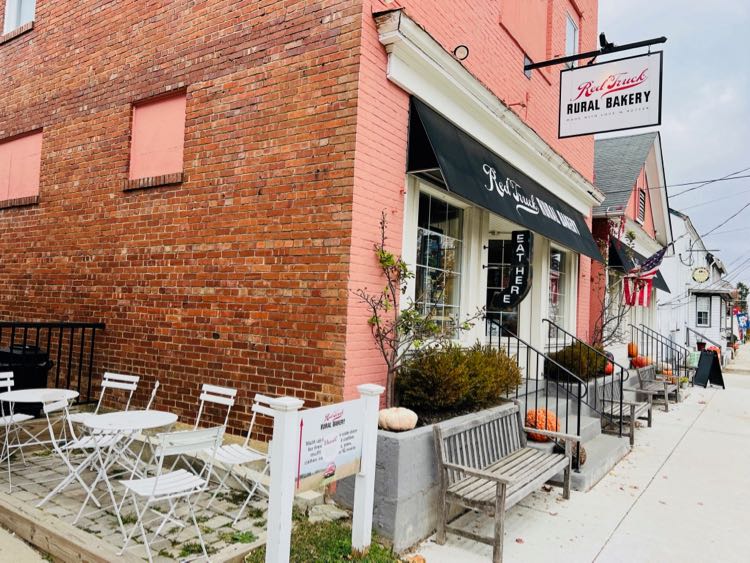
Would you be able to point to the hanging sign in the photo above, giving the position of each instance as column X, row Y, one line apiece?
column 611, row 96
column 701, row 274
column 330, row 444
column 519, row 272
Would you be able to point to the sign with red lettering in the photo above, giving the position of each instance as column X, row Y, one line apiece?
column 611, row 96
column 330, row 444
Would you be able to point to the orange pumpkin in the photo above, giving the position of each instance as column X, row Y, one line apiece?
column 632, row 350
column 544, row 420
column 640, row 361
column 609, row 369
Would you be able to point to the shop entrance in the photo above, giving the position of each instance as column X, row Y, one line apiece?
column 498, row 277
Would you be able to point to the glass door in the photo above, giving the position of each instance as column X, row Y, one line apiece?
column 498, row 277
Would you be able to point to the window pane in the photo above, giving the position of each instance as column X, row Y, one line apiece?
column 438, row 258
column 26, row 11
column 424, row 211
column 438, row 216
column 557, row 288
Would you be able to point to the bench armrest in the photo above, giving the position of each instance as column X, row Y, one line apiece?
column 558, row 435
column 477, row 473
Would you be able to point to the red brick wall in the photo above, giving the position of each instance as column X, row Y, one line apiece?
column 237, row 275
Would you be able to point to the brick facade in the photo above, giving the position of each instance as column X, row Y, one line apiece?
column 235, row 275
column 239, row 270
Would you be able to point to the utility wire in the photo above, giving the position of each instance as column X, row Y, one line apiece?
column 732, row 176
column 727, row 220
column 701, row 182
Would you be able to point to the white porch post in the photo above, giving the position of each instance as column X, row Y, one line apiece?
column 364, row 484
column 281, row 495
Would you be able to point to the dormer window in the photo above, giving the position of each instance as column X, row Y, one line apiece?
column 641, row 205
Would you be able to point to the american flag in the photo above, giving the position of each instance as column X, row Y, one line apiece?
column 639, row 281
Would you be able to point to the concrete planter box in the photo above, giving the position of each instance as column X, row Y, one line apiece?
column 406, row 482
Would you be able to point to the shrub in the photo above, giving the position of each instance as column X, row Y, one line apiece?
column 434, row 379
column 578, row 359
column 451, row 378
column 493, row 374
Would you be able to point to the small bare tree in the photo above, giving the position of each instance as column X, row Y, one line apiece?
column 613, row 310
column 399, row 330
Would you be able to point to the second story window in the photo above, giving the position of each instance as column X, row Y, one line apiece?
column 702, row 311
column 18, row 13
column 641, row 205
column 158, row 137
column 571, row 39
column 20, row 162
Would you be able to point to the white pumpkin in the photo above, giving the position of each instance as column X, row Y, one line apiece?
column 397, row 419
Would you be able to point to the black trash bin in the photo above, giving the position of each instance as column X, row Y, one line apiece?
column 30, row 366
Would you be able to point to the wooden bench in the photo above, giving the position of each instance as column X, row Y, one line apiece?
column 650, row 384
column 615, row 408
column 484, row 464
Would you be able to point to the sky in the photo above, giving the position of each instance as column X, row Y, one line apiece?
column 705, row 127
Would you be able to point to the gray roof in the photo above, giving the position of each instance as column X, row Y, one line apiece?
column 617, row 163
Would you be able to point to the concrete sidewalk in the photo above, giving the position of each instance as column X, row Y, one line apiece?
column 15, row 550
column 681, row 495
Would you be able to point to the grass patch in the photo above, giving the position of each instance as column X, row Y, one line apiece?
column 326, row 542
column 42, row 453
column 194, row 548
column 255, row 512
column 129, row 518
column 260, row 523
column 201, row 518
column 238, row 537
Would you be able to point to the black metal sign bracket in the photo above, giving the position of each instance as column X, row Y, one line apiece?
column 606, row 49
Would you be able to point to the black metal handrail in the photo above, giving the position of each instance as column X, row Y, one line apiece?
column 566, row 386
column 563, row 339
column 660, row 351
column 665, row 340
column 705, row 338
column 68, row 349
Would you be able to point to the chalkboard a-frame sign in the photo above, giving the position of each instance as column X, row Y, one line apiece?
column 519, row 273
column 708, row 370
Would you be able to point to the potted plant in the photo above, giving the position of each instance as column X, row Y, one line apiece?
column 578, row 359
column 684, row 381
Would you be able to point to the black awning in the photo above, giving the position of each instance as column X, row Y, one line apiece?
column 474, row 172
column 619, row 259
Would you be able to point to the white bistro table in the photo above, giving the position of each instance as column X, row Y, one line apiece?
column 30, row 396
column 123, row 423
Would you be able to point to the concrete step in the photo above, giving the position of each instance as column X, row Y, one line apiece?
column 602, row 454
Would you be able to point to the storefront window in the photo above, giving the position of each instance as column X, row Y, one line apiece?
column 498, row 277
column 557, row 287
column 703, row 311
column 438, row 271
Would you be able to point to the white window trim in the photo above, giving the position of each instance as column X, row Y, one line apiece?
column 569, row 20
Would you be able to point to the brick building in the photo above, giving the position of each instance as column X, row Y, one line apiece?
column 206, row 177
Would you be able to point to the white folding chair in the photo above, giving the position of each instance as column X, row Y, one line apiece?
column 110, row 381
column 215, row 395
column 172, row 486
column 10, row 424
column 231, row 456
column 153, row 395
column 92, row 444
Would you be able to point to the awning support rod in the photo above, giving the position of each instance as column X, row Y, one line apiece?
column 606, row 49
